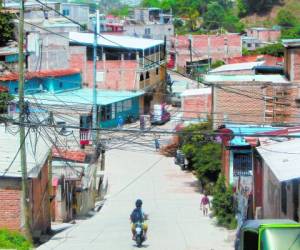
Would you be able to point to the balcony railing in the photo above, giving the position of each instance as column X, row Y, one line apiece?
column 85, row 137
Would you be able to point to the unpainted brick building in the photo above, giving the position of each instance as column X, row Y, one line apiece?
column 11, row 210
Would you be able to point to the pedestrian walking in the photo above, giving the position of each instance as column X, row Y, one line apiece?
column 156, row 142
column 120, row 121
column 205, row 204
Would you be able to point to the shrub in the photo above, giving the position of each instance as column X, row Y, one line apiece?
column 223, row 204
column 217, row 64
column 13, row 240
column 286, row 19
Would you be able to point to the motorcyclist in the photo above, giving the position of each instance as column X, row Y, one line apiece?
column 138, row 215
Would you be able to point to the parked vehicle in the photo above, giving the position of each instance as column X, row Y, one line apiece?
column 268, row 235
column 180, row 159
column 160, row 115
column 139, row 234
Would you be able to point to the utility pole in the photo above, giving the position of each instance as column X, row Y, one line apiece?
column 25, row 198
column 190, row 48
column 94, row 123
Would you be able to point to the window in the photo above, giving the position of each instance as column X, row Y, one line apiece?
column 16, row 90
column 66, row 12
column 127, row 105
column 141, row 77
column 60, row 85
column 119, row 107
column 157, row 70
column 106, row 113
column 113, row 111
column 147, row 75
column 242, row 164
column 147, row 31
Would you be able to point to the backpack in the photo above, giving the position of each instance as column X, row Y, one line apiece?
column 137, row 216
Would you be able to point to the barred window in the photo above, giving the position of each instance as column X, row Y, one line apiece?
column 242, row 164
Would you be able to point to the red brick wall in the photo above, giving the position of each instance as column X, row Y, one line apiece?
column 296, row 65
column 201, row 46
column 196, row 106
column 246, row 106
column 265, row 35
column 10, row 210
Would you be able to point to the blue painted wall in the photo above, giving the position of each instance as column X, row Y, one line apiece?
column 133, row 111
column 51, row 84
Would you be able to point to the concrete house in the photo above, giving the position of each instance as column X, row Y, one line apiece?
column 37, row 154
column 279, row 163
column 123, row 63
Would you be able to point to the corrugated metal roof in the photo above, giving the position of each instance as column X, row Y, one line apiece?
column 36, row 153
column 115, row 41
column 291, row 42
column 237, row 66
column 245, row 78
column 40, row 74
column 283, row 159
column 249, row 130
column 82, row 97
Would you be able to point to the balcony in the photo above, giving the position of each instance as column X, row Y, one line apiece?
column 85, row 137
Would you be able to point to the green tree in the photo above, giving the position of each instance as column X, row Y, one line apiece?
column 207, row 162
column 276, row 49
column 151, row 3
column 214, row 17
column 217, row 64
column 286, row 19
column 232, row 23
column 291, row 33
column 223, row 204
column 6, row 28
column 5, row 98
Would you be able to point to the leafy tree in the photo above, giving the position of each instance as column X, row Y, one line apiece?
column 4, row 99
column 276, row 49
column 246, row 7
column 121, row 12
column 223, row 204
column 232, row 23
column 286, row 19
column 291, row 33
column 207, row 162
column 214, row 17
column 151, row 3
column 6, row 28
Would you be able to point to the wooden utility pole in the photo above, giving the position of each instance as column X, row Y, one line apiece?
column 25, row 197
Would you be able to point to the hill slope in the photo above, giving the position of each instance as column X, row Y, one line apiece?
column 269, row 19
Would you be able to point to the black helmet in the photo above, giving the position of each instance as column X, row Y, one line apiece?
column 138, row 203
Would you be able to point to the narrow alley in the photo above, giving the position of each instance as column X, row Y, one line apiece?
column 170, row 198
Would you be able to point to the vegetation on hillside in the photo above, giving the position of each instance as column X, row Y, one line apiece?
column 5, row 98
column 13, row 240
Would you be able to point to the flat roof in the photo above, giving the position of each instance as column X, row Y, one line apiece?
column 82, row 97
column 237, row 66
column 245, row 78
column 282, row 158
column 291, row 42
column 196, row 92
column 37, row 151
column 115, row 41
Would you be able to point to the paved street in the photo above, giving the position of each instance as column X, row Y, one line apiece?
column 170, row 197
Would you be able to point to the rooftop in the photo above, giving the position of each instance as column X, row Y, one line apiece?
column 37, row 152
column 196, row 92
column 291, row 43
column 40, row 74
column 283, row 159
column 115, row 41
column 82, row 97
column 237, row 66
column 245, row 78
column 248, row 130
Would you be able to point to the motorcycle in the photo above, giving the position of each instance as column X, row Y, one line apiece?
column 139, row 234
